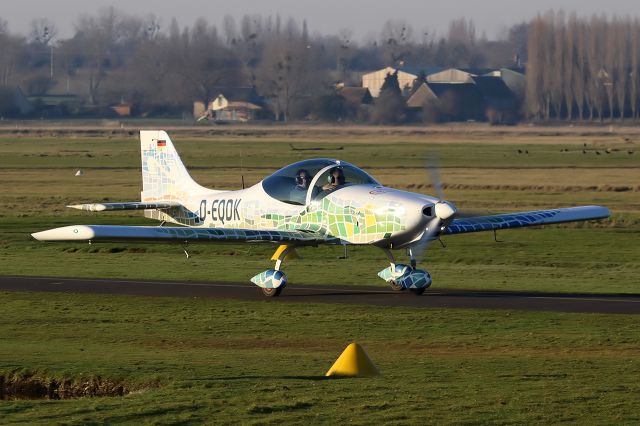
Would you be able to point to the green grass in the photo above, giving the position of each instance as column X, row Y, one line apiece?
column 262, row 362
column 38, row 176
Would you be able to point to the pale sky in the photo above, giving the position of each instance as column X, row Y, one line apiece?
column 364, row 18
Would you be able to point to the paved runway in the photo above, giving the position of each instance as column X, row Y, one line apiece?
column 380, row 295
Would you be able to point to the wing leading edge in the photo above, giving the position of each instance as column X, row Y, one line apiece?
column 126, row 205
column 150, row 234
column 533, row 218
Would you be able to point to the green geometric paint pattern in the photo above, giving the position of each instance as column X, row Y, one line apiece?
column 333, row 216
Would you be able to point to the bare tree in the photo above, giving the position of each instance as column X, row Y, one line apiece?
column 534, row 69
column 283, row 74
column 622, row 49
column 203, row 64
column 229, row 29
column 43, row 31
column 96, row 37
column 395, row 40
column 634, row 74
column 569, row 66
column 608, row 72
column 10, row 57
column 555, row 71
column 462, row 31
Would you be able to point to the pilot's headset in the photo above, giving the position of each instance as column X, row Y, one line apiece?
column 332, row 179
column 301, row 175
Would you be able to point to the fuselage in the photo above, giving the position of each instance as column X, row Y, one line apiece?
column 355, row 214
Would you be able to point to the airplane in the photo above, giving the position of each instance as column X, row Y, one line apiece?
column 308, row 203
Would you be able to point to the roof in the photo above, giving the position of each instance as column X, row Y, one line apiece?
column 519, row 70
column 355, row 95
column 420, row 96
column 411, row 70
column 492, row 87
column 241, row 104
column 476, row 71
column 467, row 91
column 418, row 70
column 55, row 99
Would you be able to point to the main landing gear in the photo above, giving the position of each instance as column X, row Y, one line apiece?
column 405, row 277
column 273, row 281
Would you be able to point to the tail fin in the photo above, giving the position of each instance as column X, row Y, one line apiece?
column 164, row 177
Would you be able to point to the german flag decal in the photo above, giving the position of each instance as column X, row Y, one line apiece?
column 161, row 143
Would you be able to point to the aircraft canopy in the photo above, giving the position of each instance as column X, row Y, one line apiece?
column 293, row 183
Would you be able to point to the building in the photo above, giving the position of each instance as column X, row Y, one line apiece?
column 514, row 78
column 406, row 76
column 446, row 102
column 457, row 75
column 19, row 101
column 500, row 103
column 231, row 104
column 356, row 96
column 123, row 109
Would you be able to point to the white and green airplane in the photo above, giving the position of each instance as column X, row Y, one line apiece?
column 308, row 203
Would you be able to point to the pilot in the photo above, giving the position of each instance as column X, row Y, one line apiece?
column 299, row 192
column 335, row 179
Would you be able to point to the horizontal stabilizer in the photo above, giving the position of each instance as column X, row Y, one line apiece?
column 533, row 218
column 150, row 234
column 132, row 205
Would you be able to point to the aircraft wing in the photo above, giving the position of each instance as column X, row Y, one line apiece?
column 150, row 234
column 126, row 205
column 519, row 220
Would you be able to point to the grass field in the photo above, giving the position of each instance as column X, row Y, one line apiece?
column 196, row 361
column 220, row 361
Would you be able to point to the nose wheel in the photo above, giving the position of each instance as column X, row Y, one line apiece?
column 395, row 286
column 272, row 292
column 404, row 277
column 273, row 281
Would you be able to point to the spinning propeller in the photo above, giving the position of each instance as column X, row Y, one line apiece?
column 443, row 214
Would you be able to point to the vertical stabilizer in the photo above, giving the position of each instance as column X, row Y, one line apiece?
column 164, row 177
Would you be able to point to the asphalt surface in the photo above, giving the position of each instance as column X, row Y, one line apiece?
column 381, row 296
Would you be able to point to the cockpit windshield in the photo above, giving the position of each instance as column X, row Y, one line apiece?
column 294, row 182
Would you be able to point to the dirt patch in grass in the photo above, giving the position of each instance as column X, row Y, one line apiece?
column 33, row 385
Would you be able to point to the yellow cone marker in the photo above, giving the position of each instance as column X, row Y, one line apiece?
column 353, row 362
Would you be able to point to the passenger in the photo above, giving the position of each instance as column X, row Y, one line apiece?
column 335, row 180
column 299, row 192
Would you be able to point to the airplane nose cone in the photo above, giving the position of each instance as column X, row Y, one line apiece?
column 444, row 210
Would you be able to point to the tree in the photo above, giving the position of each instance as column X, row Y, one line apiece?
column 389, row 107
column 395, row 39
column 330, row 107
column 534, row 69
column 202, row 64
column 622, row 65
column 634, row 74
column 95, row 40
column 421, row 79
column 43, row 31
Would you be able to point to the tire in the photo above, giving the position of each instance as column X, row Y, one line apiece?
column 418, row 291
column 272, row 292
column 395, row 286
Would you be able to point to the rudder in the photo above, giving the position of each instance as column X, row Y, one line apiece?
column 164, row 176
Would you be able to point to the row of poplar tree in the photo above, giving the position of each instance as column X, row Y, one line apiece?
column 583, row 68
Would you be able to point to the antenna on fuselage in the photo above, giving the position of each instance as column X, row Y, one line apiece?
column 242, row 177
